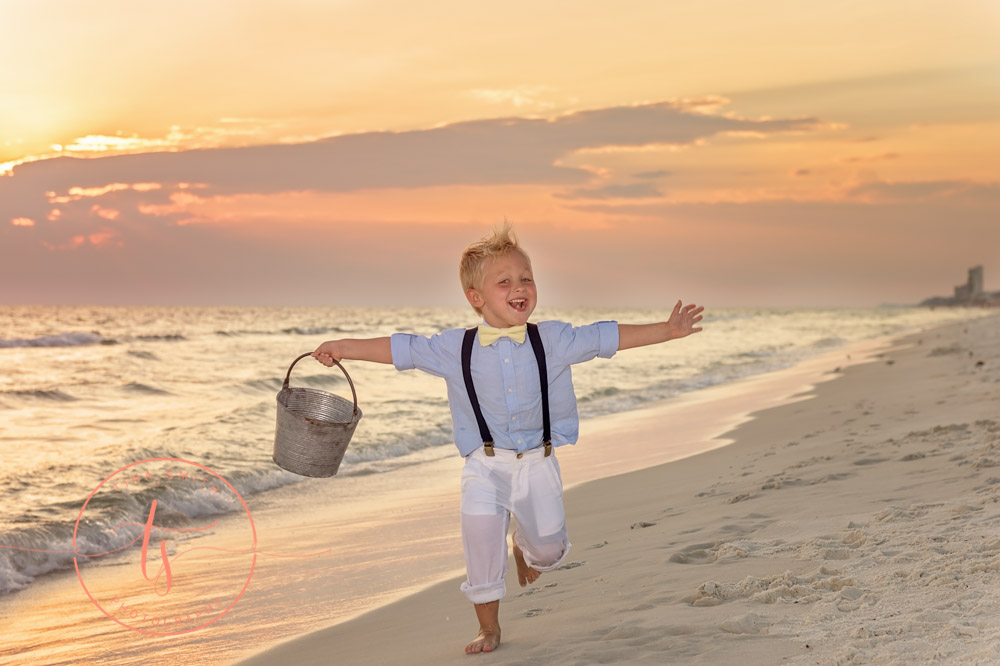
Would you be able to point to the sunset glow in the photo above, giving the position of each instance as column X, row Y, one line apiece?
column 745, row 135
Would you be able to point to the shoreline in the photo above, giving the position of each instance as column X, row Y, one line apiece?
column 443, row 639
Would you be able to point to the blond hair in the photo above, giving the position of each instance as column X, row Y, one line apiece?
column 472, row 267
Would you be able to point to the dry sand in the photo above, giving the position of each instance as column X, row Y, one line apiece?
column 856, row 524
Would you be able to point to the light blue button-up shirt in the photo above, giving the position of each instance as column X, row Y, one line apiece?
column 505, row 375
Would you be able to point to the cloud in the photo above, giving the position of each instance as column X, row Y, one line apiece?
column 964, row 191
column 659, row 173
column 870, row 158
column 105, row 237
column 633, row 191
column 497, row 151
column 120, row 225
column 230, row 130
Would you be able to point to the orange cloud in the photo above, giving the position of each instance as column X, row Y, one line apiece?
column 104, row 238
column 271, row 213
column 73, row 243
column 22, row 222
column 106, row 213
column 969, row 191
column 870, row 158
column 77, row 193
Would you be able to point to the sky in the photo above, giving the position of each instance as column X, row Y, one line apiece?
column 324, row 152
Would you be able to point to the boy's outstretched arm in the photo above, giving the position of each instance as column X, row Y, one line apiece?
column 681, row 323
column 377, row 350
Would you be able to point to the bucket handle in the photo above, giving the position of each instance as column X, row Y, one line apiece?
column 342, row 369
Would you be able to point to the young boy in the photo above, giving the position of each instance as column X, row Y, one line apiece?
column 505, row 425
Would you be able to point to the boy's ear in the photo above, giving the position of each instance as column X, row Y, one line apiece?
column 474, row 297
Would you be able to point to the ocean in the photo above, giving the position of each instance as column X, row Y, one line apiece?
column 86, row 391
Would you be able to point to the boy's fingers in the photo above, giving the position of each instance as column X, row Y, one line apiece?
column 323, row 358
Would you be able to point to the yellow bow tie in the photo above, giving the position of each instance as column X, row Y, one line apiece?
column 488, row 335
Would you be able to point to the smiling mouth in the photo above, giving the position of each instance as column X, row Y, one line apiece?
column 519, row 304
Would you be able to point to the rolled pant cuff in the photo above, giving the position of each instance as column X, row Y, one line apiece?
column 547, row 567
column 485, row 593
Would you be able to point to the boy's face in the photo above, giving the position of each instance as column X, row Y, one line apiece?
column 507, row 296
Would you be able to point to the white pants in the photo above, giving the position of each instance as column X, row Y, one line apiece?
column 495, row 487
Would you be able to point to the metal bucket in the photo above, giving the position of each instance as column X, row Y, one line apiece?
column 313, row 427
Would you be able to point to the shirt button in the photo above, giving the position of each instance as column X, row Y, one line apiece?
column 513, row 418
column 506, row 360
column 520, row 441
column 510, row 390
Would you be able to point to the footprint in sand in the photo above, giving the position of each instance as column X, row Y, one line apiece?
column 786, row 587
column 913, row 456
column 699, row 553
column 830, row 477
column 572, row 565
column 987, row 486
column 751, row 623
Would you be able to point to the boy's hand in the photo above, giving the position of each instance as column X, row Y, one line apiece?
column 683, row 319
column 327, row 353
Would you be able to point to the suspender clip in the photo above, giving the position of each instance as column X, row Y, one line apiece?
column 488, row 449
column 548, row 449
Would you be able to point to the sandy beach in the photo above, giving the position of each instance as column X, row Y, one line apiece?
column 855, row 522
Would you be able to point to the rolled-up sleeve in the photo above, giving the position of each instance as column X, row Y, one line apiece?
column 399, row 343
column 607, row 332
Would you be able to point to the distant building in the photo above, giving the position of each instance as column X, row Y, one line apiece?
column 970, row 293
column 972, row 290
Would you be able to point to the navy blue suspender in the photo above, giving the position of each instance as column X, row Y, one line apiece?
column 543, row 378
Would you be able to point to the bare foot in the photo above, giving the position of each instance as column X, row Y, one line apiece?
column 486, row 641
column 489, row 628
column 525, row 574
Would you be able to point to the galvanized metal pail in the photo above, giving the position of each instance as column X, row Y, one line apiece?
column 313, row 427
